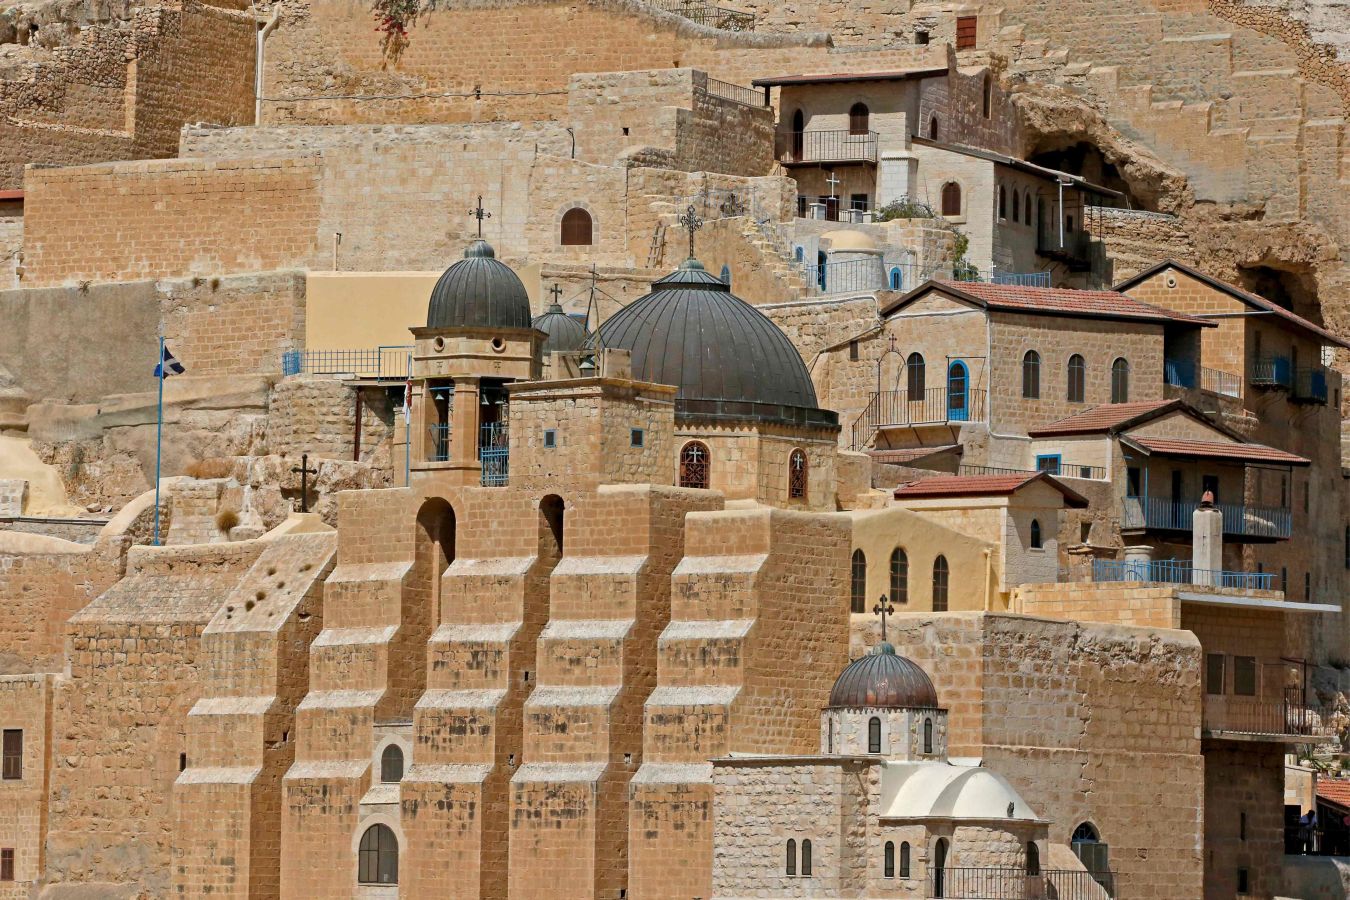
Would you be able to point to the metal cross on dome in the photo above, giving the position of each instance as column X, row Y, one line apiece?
column 480, row 214
column 556, row 293
column 883, row 609
column 693, row 222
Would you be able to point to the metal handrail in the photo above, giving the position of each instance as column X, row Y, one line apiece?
column 827, row 146
column 390, row 362
column 1062, row 470
column 1177, row 571
column 1008, row 883
column 1177, row 515
column 1286, row 715
column 735, row 93
column 706, row 14
column 1273, row 371
column 934, row 406
column 1310, row 385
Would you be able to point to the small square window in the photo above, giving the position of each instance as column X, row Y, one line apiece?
column 921, row 37
column 550, row 438
column 637, row 438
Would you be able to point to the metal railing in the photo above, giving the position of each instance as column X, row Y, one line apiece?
column 826, row 146
column 1019, row 279
column 1310, row 385
column 440, row 442
column 1177, row 515
column 1273, row 372
column 494, row 453
column 1286, row 715
column 1179, row 372
column 1063, row 470
column 1177, row 571
column 1182, row 373
column 705, row 14
column 736, row 93
column 1073, row 248
column 391, row 362
column 934, row 406
column 970, row 883
column 849, row 275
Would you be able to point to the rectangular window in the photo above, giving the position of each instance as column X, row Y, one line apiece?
column 853, row 351
column 965, row 32
column 1244, row 676
column 637, row 437
column 1214, row 673
column 1176, row 486
column 1210, row 483
column 858, row 202
column 7, row 864
column 1243, row 882
column 1048, row 462
column 1307, row 490
column 1284, row 579
column 1307, row 586
column 550, row 438
column 11, row 757
column 1133, row 481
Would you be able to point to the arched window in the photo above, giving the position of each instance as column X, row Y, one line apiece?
column 799, row 253
column 694, row 464
column 958, row 381
column 1120, row 380
column 1033, row 859
column 888, row 862
column 897, row 279
column 576, row 228
column 726, row 275
column 899, row 576
column 874, row 735
column 377, row 858
column 1002, row 202
column 951, row 199
column 391, row 764
column 1017, row 207
column 988, row 95
column 1077, row 379
column 791, row 857
column 1031, row 375
column 797, row 475
column 933, row 128
column 806, row 859
column 857, row 587
column 1088, row 847
column 914, row 376
column 940, row 575
column 1037, row 542
column 904, row 859
column 1026, row 211
column 928, row 736
column 940, row 868
column 858, row 118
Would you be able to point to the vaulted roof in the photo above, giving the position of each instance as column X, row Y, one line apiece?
column 1048, row 301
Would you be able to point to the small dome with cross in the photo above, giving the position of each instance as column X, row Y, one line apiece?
column 883, row 679
column 565, row 333
column 479, row 291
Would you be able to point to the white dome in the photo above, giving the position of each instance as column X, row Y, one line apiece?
column 845, row 239
column 942, row 790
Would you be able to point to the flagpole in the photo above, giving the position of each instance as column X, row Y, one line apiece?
column 159, row 432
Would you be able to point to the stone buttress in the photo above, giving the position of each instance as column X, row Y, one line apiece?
column 759, row 625
column 255, row 666
column 609, row 600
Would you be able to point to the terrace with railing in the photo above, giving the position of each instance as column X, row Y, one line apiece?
column 706, row 14
column 1285, row 718
column 1239, row 520
column 796, row 148
column 1061, row 469
column 1273, row 372
column 1177, row 571
column 970, row 883
column 1310, row 386
column 391, row 362
column 1183, row 373
column 934, row 406
column 736, row 93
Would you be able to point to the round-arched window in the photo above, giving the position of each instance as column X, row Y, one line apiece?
column 1120, row 380
column 1017, row 206
column 915, row 376
column 695, row 463
column 857, row 583
column 577, row 229
column 1037, row 542
column 899, row 575
column 874, row 735
column 940, row 577
column 897, row 279
column 951, row 199
column 1077, row 379
column 858, row 116
column 797, row 474
column 377, row 858
column 391, row 764
column 1031, row 374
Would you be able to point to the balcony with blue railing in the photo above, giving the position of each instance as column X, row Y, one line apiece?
column 1184, row 373
column 1273, row 372
column 1239, row 520
column 1177, row 571
column 391, row 362
column 1310, row 386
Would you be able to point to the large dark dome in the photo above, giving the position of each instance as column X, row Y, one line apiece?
column 727, row 359
column 883, row 679
column 479, row 291
column 564, row 332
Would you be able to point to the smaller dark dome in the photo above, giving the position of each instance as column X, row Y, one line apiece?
column 883, row 679
column 564, row 332
column 479, row 291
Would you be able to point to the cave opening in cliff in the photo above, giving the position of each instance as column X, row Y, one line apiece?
column 1087, row 161
column 1291, row 285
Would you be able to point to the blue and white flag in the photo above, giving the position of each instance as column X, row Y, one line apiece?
column 168, row 365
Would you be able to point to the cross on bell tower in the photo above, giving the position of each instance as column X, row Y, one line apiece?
column 480, row 214
column 692, row 221
column 883, row 608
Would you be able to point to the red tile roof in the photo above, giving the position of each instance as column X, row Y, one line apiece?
column 1237, row 293
column 1337, row 790
column 1064, row 301
column 1106, row 417
column 1218, row 450
column 981, row 486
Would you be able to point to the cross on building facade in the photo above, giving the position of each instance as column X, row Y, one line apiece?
column 833, row 182
column 480, row 214
column 693, row 222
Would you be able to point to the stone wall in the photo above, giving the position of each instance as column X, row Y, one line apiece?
column 43, row 587
column 26, row 705
column 236, row 325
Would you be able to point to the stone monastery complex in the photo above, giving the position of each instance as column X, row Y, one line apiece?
column 650, row 450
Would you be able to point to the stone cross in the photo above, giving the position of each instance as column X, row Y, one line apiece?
column 833, row 182
column 305, row 471
column 691, row 220
column 883, row 608
column 480, row 214
column 555, row 292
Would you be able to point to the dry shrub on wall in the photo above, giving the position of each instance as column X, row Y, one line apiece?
column 218, row 467
column 226, row 519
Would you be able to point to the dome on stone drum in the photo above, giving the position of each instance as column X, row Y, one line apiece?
column 728, row 359
column 479, row 291
column 883, row 679
column 564, row 332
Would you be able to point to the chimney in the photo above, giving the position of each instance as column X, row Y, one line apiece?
column 1206, row 541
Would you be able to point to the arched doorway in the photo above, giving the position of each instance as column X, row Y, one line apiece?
column 551, row 513
column 433, row 551
column 958, row 392
column 940, row 868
